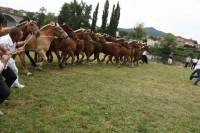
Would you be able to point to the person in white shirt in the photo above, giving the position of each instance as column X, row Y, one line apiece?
column 194, row 62
column 188, row 60
column 144, row 57
column 9, row 41
column 170, row 59
column 197, row 72
column 7, row 76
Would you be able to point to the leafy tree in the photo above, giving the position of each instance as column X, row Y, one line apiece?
column 75, row 14
column 139, row 33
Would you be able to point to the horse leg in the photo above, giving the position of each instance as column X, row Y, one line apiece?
column 71, row 53
column 97, row 56
column 22, row 60
column 49, row 56
column 62, row 59
column 109, row 59
column 57, row 55
column 104, row 58
column 30, row 58
column 42, row 54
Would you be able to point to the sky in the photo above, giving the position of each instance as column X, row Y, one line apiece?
column 180, row 17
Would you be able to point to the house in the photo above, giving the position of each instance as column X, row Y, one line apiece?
column 153, row 43
column 186, row 42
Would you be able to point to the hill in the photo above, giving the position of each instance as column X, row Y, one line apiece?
column 150, row 30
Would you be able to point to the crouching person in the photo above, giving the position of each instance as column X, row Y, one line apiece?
column 196, row 73
column 9, row 42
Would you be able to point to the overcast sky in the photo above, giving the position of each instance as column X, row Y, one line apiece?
column 180, row 17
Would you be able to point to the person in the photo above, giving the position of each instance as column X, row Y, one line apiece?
column 170, row 59
column 7, row 74
column 144, row 57
column 196, row 73
column 188, row 60
column 10, row 41
column 194, row 62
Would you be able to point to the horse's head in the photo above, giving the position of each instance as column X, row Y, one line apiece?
column 94, row 36
column 109, row 38
column 29, row 27
column 57, row 31
column 101, row 38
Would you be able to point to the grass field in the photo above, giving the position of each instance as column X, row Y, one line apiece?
column 104, row 98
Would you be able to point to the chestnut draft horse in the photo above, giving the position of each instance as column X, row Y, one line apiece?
column 27, row 27
column 79, row 42
column 111, row 49
column 139, row 49
column 88, row 45
column 97, row 46
column 42, row 43
column 67, row 48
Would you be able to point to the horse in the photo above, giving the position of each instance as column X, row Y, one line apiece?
column 42, row 43
column 27, row 27
column 111, row 49
column 66, row 46
column 88, row 45
column 79, row 42
column 97, row 46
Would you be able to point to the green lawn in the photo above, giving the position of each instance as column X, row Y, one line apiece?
column 103, row 98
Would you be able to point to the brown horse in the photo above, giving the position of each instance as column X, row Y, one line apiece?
column 97, row 46
column 79, row 42
column 88, row 44
column 42, row 43
column 111, row 49
column 67, row 48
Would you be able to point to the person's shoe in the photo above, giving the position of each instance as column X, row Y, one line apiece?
column 20, row 86
column 191, row 77
column 1, row 113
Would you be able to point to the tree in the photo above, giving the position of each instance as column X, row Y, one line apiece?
column 94, row 19
column 105, row 16
column 41, row 16
column 168, row 46
column 139, row 33
column 75, row 14
column 114, row 20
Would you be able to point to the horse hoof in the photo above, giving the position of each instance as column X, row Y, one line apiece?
column 61, row 66
column 29, row 74
column 39, row 68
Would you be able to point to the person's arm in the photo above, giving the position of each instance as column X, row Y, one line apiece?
column 3, row 49
column 21, row 43
column 5, row 30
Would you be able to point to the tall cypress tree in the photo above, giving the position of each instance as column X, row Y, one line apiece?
column 94, row 19
column 114, row 20
column 105, row 16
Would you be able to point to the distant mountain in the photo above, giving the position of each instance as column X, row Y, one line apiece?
column 150, row 30
column 154, row 32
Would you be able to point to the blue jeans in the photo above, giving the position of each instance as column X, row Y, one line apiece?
column 198, row 76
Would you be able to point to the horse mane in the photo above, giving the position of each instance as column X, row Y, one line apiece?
column 69, row 31
column 45, row 26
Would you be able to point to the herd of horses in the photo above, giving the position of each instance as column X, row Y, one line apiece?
column 66, row 43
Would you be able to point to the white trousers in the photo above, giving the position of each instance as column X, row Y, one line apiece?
column 12, row 65
column 1, row 66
